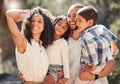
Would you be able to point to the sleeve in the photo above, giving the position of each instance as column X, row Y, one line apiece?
column 108, row 35
column 65, row 58
column 89, row 53
column 93, row 51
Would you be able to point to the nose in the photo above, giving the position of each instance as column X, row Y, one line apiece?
column 73, row 19
column 36, row 23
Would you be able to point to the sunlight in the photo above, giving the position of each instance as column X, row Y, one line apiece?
column 12, row 4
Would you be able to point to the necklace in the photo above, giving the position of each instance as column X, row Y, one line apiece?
column 40, row 48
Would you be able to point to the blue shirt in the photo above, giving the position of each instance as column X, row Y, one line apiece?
column 96, row 45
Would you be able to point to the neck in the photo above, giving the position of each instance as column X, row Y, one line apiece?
column 75, row 34
column 56, row 37
column 36, row 37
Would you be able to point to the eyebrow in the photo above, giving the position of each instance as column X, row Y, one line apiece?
column 38, row 18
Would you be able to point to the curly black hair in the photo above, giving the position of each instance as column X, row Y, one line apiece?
column 48, row 33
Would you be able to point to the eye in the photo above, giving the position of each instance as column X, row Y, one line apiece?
column 32, row 20
column 64, row 28
column 59, row 24
column 68, row 16
column 80, row 21
column 39, row 21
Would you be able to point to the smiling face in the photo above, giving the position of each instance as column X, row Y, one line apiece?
column 61, row 27
column 37, row 24
column 71, row 17
column 82, row 24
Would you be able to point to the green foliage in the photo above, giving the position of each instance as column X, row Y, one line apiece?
column 109, row 11
column 115, row 77
column 115, row 28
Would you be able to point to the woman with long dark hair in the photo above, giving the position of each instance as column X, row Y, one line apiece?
column 37, row 34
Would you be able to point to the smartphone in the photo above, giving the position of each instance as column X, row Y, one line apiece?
column 26, row 15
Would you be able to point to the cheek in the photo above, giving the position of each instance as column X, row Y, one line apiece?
column 41, row 29
column 42, row 26
column 68, row 20
column 64, row 31
column 78, row 24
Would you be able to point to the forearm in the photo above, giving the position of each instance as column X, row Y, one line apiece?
column 18, row 39
column 110, row 66
column 11, row 15
column 87, row 76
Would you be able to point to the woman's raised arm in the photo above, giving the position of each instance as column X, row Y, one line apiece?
column 12, row 16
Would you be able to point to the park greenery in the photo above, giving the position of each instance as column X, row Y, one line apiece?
column 109, row 13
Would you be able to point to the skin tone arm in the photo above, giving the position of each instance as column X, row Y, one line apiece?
column 86, row 75
column 114, row 48
column 19, row 40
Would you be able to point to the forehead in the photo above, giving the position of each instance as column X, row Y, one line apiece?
column 72, row 11
column 37, row 16
column 63, row 21
column 79, row 17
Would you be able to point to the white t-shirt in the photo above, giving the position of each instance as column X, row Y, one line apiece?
column 58, row 55
column 74, row 55
column 33, row 63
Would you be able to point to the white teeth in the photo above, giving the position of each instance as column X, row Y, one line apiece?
column 35, row 27
column 73, row 23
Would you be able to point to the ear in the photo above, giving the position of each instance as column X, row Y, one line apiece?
column 90, row 22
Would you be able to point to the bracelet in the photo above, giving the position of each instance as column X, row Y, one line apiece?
column 96, row 76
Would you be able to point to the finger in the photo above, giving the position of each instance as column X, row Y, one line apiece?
column 82, row 68
column 19, row 18
column 24, row 11
column 58, row 81
column 20, row 77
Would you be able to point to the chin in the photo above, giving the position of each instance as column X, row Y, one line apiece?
column 73, row 27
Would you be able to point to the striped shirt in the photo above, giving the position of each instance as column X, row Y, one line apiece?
column 96, row 45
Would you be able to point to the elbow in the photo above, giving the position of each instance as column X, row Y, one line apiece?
column 9, row 13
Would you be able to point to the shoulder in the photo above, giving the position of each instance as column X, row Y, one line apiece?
column 62, row 40
column 63, row 43
column 101, row 27
column 88, row 36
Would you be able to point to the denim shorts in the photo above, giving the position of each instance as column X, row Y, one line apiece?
column 53, row 69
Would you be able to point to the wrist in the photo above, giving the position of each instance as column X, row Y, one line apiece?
column 96, row 76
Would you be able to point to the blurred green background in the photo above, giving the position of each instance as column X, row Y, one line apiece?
column 109, row 12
